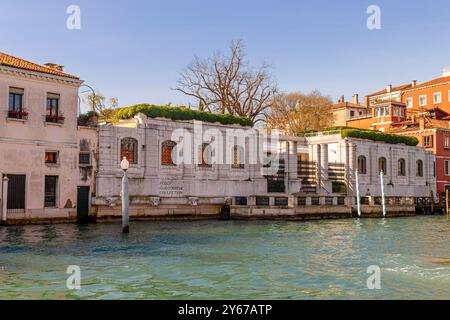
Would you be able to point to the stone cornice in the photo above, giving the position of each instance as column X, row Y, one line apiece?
column 33, row 75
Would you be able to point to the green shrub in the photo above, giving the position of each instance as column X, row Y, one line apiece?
column 180, row 113
column 379, row 136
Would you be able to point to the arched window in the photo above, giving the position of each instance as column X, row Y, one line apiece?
column 382, row 165
column 205, row 155
column 362, row 165
column 419, row 168
column 129, row 150
column 401, row 167
column 238, row 157
column 167, row 153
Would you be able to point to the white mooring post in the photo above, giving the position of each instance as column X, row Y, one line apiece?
column 4, row 199
column 125, row 165
column 383, row 199
column 358, row 198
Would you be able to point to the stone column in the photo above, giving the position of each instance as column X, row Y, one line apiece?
column 324, row 161
column 293, row 174
column 317, row 150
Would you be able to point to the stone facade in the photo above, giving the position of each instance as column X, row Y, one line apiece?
column 35, row 145
column 314, row 171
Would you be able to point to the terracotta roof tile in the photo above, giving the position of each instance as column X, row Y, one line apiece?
column 430, row 83
column 11, row 61
column 402, row 87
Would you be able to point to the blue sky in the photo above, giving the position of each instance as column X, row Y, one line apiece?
column 135, row 49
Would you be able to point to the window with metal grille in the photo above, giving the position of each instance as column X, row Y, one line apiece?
column 240, row 201
column 84, row 158
column 362, row 165
column 51, row 184
column 128, row 149
column 205, row 156
column 263, row 201
column 167, row 149
column 281, row 202
column 315, row 201
column 301, row 201
column 238, row 157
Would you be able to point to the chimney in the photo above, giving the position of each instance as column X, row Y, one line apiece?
column 54, row 66
column 389, row 88
column 422, row 123
column 355, row 98
column 413, row 83
column 342, row 98
column 446, row 72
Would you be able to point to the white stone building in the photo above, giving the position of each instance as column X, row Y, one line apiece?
column 314, row 174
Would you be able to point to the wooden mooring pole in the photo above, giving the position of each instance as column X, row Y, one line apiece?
column 446, row 202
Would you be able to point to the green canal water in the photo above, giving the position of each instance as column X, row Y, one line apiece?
column 229, row 260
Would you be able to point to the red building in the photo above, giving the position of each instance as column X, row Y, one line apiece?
column 420, row 110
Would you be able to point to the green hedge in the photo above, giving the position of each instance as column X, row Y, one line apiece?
column 180, row 113
column 379, row 136
column 366, row 134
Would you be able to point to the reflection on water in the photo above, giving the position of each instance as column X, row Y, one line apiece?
column 229, row 260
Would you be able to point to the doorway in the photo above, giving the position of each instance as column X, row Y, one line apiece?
column 83, row 204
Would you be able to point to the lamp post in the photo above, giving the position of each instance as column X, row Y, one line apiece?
column 125, row 165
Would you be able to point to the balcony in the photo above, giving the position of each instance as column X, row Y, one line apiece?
column 18, row 115
column 54, row 119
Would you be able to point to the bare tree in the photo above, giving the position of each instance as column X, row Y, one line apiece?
column 97, row 104
column 226, row 84
column 292, row 113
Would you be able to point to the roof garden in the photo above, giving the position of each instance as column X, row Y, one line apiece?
column 373, row 135
column 180, row 113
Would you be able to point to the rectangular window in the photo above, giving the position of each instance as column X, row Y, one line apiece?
column 446, row 142
column 447, row 167
column 240, row 201
column 281, row 202
column 409, row 102
column 84, row 158
column 428, row 141
column 301, row 201
column 437, row 97
column 53, row 112
column 51, row 183
column 423, row 100
column 315, row 201
column 15, row 105
column 263, row 201
column 51, row 157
